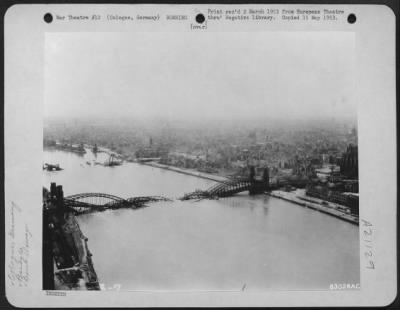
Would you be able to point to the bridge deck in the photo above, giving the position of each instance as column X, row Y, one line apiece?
column 228, row 188
column 89, row 202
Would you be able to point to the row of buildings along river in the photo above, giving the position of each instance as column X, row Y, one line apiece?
column 325, row 173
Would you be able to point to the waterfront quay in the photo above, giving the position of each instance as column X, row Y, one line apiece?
column 299, row 197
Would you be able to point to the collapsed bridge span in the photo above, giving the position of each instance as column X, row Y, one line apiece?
column 233, row 186
column 91, row 202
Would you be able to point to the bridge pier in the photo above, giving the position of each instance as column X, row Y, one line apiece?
column 259, row 186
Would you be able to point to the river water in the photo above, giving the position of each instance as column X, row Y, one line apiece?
column 256, row 242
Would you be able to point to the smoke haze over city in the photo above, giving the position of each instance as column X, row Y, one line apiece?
column 171, row 76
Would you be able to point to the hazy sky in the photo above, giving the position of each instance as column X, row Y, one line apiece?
column 199, row 75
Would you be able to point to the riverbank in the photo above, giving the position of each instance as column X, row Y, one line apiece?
column 298, row 197
column 203, row 175
column 67, row 261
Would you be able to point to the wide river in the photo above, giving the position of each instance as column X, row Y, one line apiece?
column 257, row 242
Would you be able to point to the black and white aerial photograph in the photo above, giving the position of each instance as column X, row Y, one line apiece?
column 192, row 161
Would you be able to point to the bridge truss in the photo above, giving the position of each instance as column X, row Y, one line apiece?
column 228, row 188
column 90, row 202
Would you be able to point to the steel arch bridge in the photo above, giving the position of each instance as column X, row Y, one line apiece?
column 229, row 188
column 90, row 202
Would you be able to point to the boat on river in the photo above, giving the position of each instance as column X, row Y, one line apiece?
column 52, row 167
